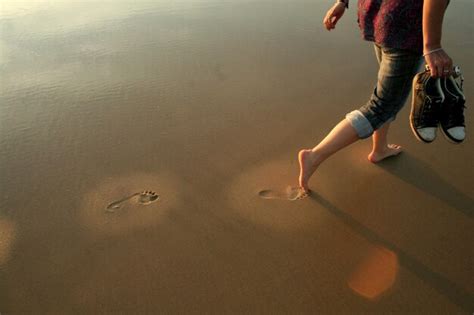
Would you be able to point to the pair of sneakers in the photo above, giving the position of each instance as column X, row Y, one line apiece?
column 438, row 102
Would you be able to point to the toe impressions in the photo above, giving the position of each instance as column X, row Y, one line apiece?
column 145, row 197
column 291, row 193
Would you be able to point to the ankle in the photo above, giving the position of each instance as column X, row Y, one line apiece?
column 316, row 157
column 380, row 148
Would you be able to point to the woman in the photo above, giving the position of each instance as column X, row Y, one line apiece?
column 403, row 31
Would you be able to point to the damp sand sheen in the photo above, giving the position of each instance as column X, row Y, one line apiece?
column 110, row 209
column 144, row 198
column 147, row 197
column 149, row 164
column 290, row 193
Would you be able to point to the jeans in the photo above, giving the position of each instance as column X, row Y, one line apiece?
column 397, row 67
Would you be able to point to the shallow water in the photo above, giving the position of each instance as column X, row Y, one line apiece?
column 206, row 103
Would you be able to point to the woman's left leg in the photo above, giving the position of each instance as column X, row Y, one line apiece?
column 397, row 68
column 381, row 149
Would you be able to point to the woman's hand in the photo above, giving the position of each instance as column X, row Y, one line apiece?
column 440, row 64
column 333, row 15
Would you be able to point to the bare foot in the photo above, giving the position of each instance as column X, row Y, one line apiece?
column 390, row 150
column 307, row 167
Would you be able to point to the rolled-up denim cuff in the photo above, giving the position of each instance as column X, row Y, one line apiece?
column 361, row 124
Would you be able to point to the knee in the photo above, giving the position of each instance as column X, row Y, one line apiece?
column 379, row 112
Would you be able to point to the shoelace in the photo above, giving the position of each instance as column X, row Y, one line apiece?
column 429, row 112
column 455, row 113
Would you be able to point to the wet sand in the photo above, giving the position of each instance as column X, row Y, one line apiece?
column 206, row 103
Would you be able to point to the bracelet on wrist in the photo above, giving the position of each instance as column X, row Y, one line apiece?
column 432, row 51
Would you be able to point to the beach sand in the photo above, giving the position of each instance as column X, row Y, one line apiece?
column 206, row 104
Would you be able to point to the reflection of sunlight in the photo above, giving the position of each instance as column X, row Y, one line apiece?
column 6, row 52
column 73, row 14
column 375, row 274
column 55, row 42
column 131, row 215
column 78, row 12
column 7, row 237
column 18, row 8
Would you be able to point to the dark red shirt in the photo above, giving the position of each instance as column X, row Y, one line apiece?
column 392, row 23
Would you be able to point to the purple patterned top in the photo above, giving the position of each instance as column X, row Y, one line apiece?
column 392, row 23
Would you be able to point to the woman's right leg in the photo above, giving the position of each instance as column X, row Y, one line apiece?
column 340, row 137
column 397, row 68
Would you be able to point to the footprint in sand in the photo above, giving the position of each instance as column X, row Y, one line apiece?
column 291, row 193
column 143, row 198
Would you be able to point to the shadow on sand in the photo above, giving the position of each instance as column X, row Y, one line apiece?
column 419, row 174
column 446, row 287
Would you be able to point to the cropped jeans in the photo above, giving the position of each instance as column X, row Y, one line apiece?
column 397, row 67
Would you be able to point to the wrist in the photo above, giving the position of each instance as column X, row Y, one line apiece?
column 344, row 2
column 429, row 47
column 429, row 52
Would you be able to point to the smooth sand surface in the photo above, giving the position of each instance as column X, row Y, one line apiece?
column 206, row 103
column 130, row 215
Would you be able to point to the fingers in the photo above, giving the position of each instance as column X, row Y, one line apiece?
column 333, row 15
column 436, row 71
column 336, row 19
column 448, row 68
column 440, row 64
column 328, row 23
column 441, row 70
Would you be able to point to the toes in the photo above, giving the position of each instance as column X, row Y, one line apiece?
column 394, row 147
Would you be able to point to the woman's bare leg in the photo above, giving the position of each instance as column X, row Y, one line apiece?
column 342, row 135
column 380, row 147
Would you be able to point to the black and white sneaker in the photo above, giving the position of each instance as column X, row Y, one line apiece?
column 452, row 111
column 426, row 105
